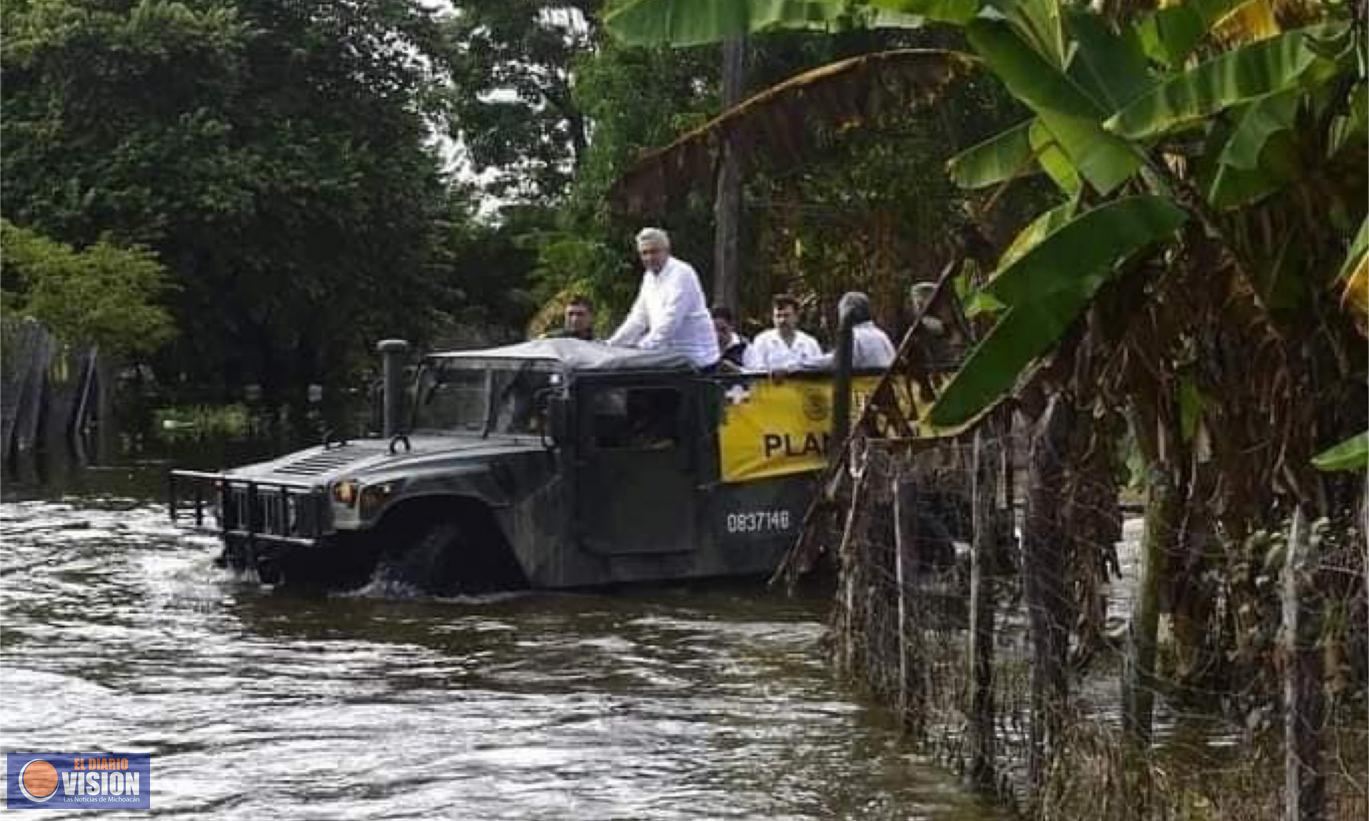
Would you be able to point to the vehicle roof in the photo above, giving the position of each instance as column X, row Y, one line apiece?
column 579, row 355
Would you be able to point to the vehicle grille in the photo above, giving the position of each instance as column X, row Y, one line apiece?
column 263, row 510
column 287, row 512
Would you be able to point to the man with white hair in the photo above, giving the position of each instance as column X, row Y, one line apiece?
column 670, row 312
column 870, row 346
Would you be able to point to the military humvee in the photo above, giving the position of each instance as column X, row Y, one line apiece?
column 549, row 464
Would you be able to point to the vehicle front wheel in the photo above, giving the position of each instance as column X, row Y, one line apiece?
column 445, row 559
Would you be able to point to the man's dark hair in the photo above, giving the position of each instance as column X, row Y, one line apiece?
column 725, row 313
column 784, row 301
column 582, row 301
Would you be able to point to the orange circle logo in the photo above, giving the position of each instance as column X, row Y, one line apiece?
column 38, row 780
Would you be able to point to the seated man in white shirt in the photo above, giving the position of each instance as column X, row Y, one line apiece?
column 870, row 346
column 784, row 347
column 670, row 312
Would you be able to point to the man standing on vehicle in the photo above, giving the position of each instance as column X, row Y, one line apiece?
column 670, row 312
column 784, row 347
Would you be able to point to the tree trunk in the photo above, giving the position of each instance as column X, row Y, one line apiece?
column 727, row 206
column 106, row 429
column 1164, row 509
column 1157, row 539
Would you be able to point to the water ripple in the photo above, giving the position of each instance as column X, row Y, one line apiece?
column 119, row 634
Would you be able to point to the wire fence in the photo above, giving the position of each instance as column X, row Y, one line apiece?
column 988, row 593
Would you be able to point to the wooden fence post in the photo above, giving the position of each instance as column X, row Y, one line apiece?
column 983, row 551
column 1043, row 586
column 852, row 573
column 900, row 578
column 1304, row 705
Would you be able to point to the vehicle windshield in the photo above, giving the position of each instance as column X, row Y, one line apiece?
column 457, row 396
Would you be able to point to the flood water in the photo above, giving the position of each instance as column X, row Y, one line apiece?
column 118, row 634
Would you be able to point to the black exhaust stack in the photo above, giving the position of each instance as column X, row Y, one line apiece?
column 392, row 353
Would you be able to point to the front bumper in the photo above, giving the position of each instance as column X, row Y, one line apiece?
column 248, row 510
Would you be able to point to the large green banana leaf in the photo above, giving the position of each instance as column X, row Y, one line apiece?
column 1109, row 67
column 1005, row 155
column 1019, row 337
column 1260, row 120
column 1092, row 241
column 1352, row 454
column 693, row 22
column 1229, row 79
column 1047, row 281
column 1170, row 34
column 1167, row 35
column 980, row 301
column 1039, row 23
column 1053, row 160
column 1233, row 187
column 1038, row 229
column 1070, row 115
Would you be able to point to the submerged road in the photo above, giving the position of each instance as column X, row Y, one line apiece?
column 118, row 634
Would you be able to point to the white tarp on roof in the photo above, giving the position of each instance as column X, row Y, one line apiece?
column 580, row 355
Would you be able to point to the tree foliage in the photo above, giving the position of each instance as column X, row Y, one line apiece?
column 512, row 95
column 275, row 156
column 874, row 209
column 632, row 99
column 101, row 295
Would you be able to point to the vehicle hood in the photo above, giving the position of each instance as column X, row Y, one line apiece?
column 371, row 459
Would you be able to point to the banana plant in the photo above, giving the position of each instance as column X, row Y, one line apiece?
column 1117, row 107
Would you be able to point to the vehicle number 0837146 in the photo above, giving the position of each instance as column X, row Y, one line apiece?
column 758, row 521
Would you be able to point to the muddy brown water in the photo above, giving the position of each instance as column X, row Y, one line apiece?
column 117, row 633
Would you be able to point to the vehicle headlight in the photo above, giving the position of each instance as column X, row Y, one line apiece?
column 345, row 492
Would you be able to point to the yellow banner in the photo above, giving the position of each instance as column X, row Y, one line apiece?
column 781, row 427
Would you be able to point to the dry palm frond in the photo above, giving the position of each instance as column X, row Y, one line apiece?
column 1249, row 22
column 783, row 121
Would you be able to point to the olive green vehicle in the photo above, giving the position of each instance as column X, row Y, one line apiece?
column 549, row 464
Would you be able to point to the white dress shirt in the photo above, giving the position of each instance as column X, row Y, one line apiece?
column 870, row 348
column 670, row 313
column 769, row 352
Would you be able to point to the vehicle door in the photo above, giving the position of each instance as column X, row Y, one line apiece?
column 637, row 471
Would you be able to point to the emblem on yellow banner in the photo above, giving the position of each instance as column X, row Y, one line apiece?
column 780, row 427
